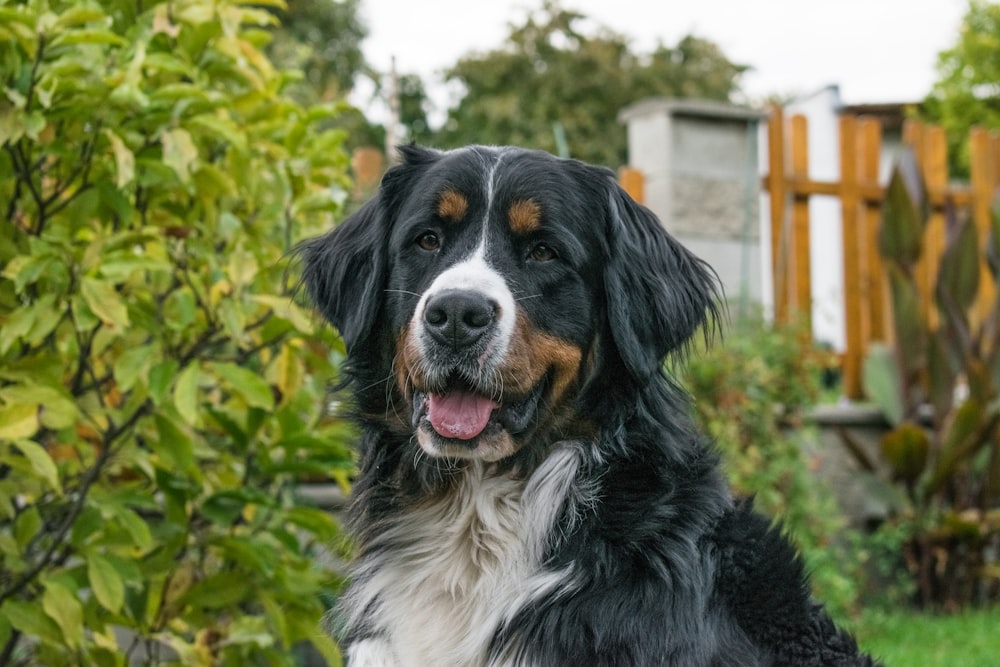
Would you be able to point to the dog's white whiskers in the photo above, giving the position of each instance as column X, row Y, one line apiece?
column 402, row 291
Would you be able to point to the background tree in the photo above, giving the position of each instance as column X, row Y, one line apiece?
column 322, row 39
column 550, row 78
column 160, row 393
column 967, row 91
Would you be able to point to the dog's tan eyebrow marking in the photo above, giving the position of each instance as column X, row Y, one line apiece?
column 524, row 216
column 452, row 206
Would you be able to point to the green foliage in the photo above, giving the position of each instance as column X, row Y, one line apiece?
column 322, row 39
column 968, row 84
column 749, row 394
column 550, row 73
column 940, row 388
column 160, row 393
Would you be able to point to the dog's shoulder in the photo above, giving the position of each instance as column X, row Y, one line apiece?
column 762, row 582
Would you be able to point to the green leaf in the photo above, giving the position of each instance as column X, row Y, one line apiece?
column 57, row 409
column 941, row 374
column 958, row 274
column 900, row 236
column 186, row 393
column 160, row 378
column 18, row 421
column 911, row 336
column 15, row 327
column 105, row 582
column 30, row 619
column 63, row 607
column 41, row 462
column 247, row 384
column 881, row 382
column 217, row 591
column 124, row 159
column 179, row 152
column 180, row 309
column 174, row 446
column 26, row 526
column 88, row 36
column 317, row 522
column 136, row 527
column 105, row 301
column 962, row 441
column 131, row 365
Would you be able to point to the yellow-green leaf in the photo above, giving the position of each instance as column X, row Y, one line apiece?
column 124, row 159
column 41, row 462
column 31, row 620
column 105, row 301
column 179, row 152
column 186, row 393
column 105, row 582
column 18, row 421
column 131, row 365
column 62, row 606
column 247, row 384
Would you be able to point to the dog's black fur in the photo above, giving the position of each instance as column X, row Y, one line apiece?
column 586, row 521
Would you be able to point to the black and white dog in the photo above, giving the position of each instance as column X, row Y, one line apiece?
column 532, row 491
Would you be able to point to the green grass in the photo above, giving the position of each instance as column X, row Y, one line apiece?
column 909, row 639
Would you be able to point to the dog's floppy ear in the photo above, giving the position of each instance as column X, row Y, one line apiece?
column 658, row 293
column 345, row 270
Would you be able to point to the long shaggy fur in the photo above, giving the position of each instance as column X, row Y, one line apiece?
column 584, row 521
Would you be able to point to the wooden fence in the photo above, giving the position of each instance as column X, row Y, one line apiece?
column 867, row 314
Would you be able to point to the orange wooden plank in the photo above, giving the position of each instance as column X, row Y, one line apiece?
column 633, row 182
column 776, row 195
column 849, row 201
column 801, row 292
column 983, row 176
column 875, row 323
column 935, row 170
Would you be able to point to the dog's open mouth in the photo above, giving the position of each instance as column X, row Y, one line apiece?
column 461, row 412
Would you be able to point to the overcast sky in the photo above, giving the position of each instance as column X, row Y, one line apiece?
column 876, row 50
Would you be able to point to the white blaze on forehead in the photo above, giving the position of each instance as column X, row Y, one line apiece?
column 475, row 274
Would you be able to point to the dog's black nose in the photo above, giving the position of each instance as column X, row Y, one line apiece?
column 458, row 318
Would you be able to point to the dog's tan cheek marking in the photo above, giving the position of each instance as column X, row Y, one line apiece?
column 452, row 206
column 405, row 364
column 533, row 353
column 524, row 216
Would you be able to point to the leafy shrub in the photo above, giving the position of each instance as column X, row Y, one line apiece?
column 750, row 394
column 159, row 392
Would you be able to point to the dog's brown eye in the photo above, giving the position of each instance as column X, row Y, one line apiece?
column 543, row 253
column 429, row 241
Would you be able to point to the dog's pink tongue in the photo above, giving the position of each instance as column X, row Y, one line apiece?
column 459, row 414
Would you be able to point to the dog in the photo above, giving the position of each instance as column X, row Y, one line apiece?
column 531, row 489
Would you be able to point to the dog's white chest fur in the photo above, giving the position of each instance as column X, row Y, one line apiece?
column 444, row 576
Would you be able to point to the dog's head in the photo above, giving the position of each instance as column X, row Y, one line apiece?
column 484, row 291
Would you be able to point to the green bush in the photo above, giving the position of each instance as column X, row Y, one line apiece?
column 750, row 393
column 160, row 394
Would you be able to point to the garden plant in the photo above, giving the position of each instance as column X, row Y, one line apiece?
column 161, row 395
column 939, row 386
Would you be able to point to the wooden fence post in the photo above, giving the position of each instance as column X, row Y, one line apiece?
column 776, row 194
column 633, row 182
column 849, row 201
column 801, row 268
column 873, row 278
column 985, row 178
